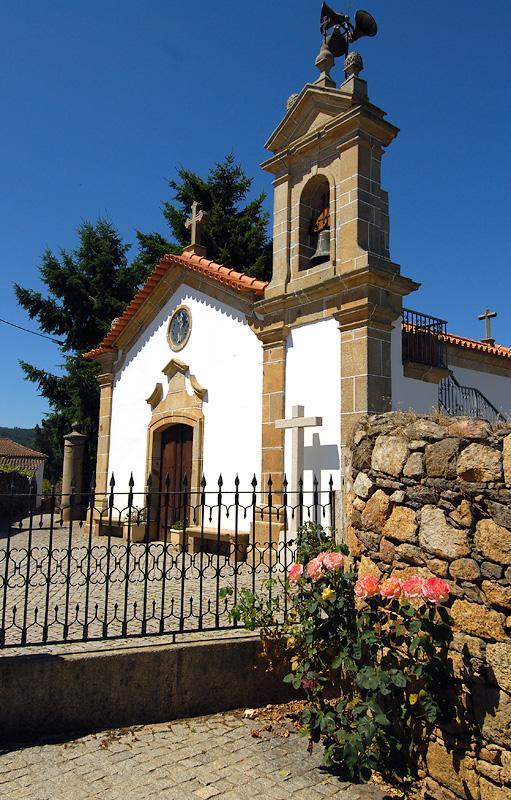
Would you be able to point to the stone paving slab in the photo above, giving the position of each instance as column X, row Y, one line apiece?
column 206, row 758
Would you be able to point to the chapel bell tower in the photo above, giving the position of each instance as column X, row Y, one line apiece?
column 331, row 215
column 331, row 258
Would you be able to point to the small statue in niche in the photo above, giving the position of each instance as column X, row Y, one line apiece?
column 320, row 234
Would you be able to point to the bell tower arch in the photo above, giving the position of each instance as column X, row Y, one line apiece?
column 331, row 256
column 314, row 242
column 326, row 158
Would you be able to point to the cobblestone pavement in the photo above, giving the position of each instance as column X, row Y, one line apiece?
column 173, row 592
column 194, row 759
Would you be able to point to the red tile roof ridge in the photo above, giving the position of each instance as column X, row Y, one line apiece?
column 475, row 344
column 246, row 280
column 471, row 344
column 192, row 261
column 8, row 447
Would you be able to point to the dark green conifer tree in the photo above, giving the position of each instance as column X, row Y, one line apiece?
column 86, row 289
column 235, row 232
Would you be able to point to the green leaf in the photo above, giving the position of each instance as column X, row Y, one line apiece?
column 336, row 663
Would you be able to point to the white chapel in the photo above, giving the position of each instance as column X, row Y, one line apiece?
column 209, row 372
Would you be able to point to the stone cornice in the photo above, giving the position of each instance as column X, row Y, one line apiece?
column 364, row 313
column 365, row 120
column 387, row 278
column 273, row 332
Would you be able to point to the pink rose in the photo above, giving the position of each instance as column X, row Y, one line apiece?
column 333, row 561
column 367, row 586
column 390, row 588
column 321, row 556
column 309, row 683
column 315, row 568
column 435, row 590
column 412, row 587
column 295, row 572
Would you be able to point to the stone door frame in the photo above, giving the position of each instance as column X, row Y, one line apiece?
column 159, row 423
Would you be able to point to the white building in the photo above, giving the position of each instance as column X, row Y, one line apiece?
column 205, row 360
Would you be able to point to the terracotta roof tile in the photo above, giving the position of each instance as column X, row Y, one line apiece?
column 474, row 344
column 218, row 272
column 17, row 456
column 471, row 344
column 10, row 448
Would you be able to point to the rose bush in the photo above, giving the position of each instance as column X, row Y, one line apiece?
column 370, row 656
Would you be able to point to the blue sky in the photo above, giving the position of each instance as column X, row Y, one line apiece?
column 103, row 99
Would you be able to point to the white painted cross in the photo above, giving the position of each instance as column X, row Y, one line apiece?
column 194, row 222
column 297, row 423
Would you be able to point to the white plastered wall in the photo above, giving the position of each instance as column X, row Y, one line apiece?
column 496, row 388
column 408, row 393
column 226, row 359
column 422, row 397
column 313, row 380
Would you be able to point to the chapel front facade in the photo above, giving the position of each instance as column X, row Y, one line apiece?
column 205, row 360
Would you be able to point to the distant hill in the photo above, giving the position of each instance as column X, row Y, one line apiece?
column 24, row 436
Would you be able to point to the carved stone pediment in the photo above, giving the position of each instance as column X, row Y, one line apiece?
column 177, row 372
column 314, row 107
column 155, row 396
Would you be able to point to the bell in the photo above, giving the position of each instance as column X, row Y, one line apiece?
column 365, row 25
column 323, row 249
column 337, row 43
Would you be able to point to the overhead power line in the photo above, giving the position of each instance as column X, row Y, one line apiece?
column 34, row 333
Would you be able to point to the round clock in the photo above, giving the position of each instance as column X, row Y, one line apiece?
column 180, row 327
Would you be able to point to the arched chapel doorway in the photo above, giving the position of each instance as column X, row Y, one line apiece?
column 176, row 459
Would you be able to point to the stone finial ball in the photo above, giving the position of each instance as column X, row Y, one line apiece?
column 291, row 100
column 353, row 63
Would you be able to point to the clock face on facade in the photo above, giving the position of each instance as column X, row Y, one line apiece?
column 180, row 326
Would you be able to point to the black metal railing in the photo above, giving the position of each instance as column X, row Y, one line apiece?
column 423, row 339
column 457, row 400
column 127, row 567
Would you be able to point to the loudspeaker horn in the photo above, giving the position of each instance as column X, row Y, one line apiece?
column 365, row 25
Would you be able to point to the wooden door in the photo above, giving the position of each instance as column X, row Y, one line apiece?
column 176, row 462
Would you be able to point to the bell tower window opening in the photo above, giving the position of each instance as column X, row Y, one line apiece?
column 314, row 244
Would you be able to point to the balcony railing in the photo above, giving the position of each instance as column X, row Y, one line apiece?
column 457, row 400
column 424, row 339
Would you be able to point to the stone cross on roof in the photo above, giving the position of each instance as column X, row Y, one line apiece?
column 194, row 224
column 487, row 316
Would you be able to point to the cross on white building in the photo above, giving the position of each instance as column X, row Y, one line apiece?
column 297, row 423
column 486, row 317
column 195, row 221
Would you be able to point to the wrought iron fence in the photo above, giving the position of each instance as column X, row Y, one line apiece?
column 126, row 564
column 457, row 400
column 423, row 339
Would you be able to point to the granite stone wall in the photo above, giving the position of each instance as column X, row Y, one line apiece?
column 12, row 505
column 432, row 496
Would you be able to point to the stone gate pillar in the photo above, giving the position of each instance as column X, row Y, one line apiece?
column 72, row 473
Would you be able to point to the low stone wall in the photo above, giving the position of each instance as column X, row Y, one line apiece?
column 433, row 497
column 13, row 506
column 44, row 695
